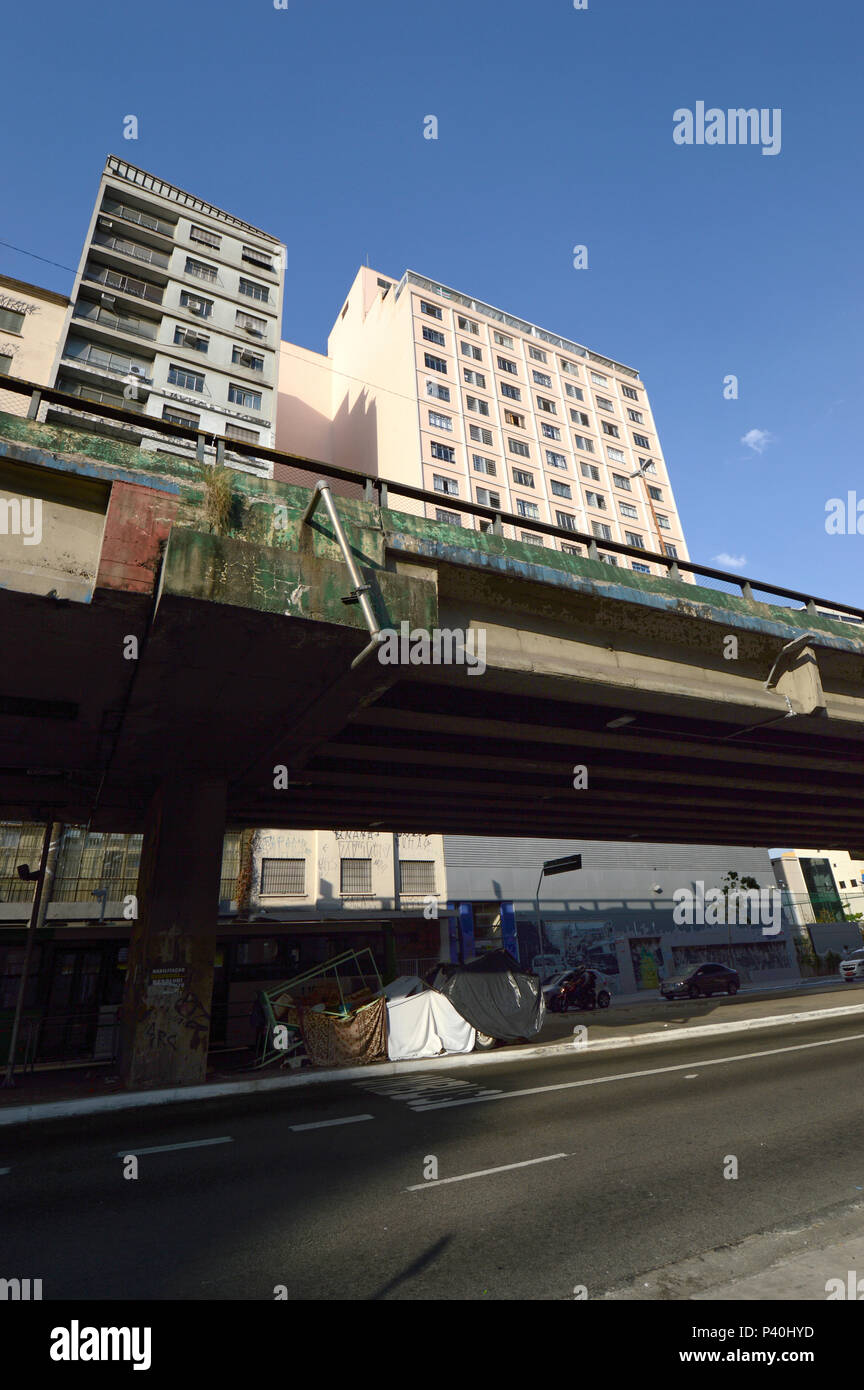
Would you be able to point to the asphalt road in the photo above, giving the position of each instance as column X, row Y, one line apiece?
column 576, row 1171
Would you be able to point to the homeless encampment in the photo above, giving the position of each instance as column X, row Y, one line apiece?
column 495, row 995
column 424, row 1024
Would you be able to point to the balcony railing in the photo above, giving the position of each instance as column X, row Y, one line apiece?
column 118, row 363
column 141, row 289
column 123, row 323
column 90, row 393
column 143, row 219
column 80, row 889
column 131, row 248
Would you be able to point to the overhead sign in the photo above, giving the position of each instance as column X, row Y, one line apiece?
column 561, row 866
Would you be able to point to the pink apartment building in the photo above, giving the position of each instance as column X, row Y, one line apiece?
column 429, row 387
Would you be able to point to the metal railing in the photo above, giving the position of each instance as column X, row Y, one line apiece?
column 122, row 323
column 379, row 490
column 131, row 248
column 143, row 219
column 126, row 284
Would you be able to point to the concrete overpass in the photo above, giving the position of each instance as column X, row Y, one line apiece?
column 180, row 636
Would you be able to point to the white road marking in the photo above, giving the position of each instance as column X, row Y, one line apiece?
column 172, row 1148
column 484, row 1172
column 652, row 1071
column 691, row 1076
column 346, row 1120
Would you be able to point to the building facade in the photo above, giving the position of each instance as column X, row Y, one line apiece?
column 31, row 325
column 175, row 310
column 427, row 386
column 618, row 911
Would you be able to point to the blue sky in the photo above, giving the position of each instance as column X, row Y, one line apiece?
column 555, row 129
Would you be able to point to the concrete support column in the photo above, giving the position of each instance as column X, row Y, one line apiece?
column 165, row 1018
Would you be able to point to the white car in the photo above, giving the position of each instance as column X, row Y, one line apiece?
column 852, row 966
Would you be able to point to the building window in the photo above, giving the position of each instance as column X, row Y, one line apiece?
column 620, row 481
column 571, row 549
column 180, row 376
column 663, row 522
column 616, row 455
column 523, row 479
column 604, row 404
column 479, row 407
column 204, row 237
column 187, row 337
column 283, row 878
column 5, row 363
column 609, row 559
column 580, row 417
column 450, row 518
column 441, row 393
column 586, row 446
column 566, row 521
column 467, row 325
column 513, row 393
column 575, row 392
column 516, row 446
column 627, row 509
column 242, row 356
column 435, row 364
column 505, row 365
column 610, row 429
column 528, row 509
column 237, row 432
column 590, row 471
column 598, row 379
column 10, row 321
column 602, row 531
column 547, row 406
column 502, row 339
column 541, row 378
column 569, row 367
column 596, row 499
column 254, row 290
column 355, row 878
column 479, row 434
column 241, row 395
column 487, row 498
column 641, row 569
column 473, row 378
column 512, row 417
column 671, row 550
column 177, row 417
column 655, row 494
column 445, row 452
column 416, row 877
column 250, row 323
column 537, row 355
column 201, row 270
column 641, row 441
column 469, row 350
column 530, row 539
column 431, row 309
column 440, row 422
column 636, row 416
column 484, row 465
column 549, row 431
column 630, row 393
column 431, row 335
column 555, row 460
column 561, row 489
column 260, row 258
column 647, row 466
column 202, row 308
column 633, row 538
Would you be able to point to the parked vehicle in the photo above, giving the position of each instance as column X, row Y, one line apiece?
column 579, row 989
column 701, row 981
column 852, row 966
column 502, row 1001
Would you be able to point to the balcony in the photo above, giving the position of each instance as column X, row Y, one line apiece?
column 131, row 248
column 142, row 219
column 80, row 351
column 126, row 284
column 121, row 323
column 99, row 397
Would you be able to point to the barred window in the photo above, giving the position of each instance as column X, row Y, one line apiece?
column 416, row 877
column 356, row 878
column 283, row 877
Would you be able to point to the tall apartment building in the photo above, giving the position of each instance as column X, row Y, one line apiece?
column 176, row 310
column 424, row 385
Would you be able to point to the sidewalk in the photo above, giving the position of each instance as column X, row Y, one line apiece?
column 95, row 1087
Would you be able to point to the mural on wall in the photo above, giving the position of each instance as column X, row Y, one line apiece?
column 646, row 955
column 748, row 955
column 549, row 947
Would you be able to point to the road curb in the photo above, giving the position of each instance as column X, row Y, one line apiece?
column 135, row 1100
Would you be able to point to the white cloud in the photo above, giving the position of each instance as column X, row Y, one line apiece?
column 757, row 440
column 730, row 562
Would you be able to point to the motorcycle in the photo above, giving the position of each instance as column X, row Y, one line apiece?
column 579, row 992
